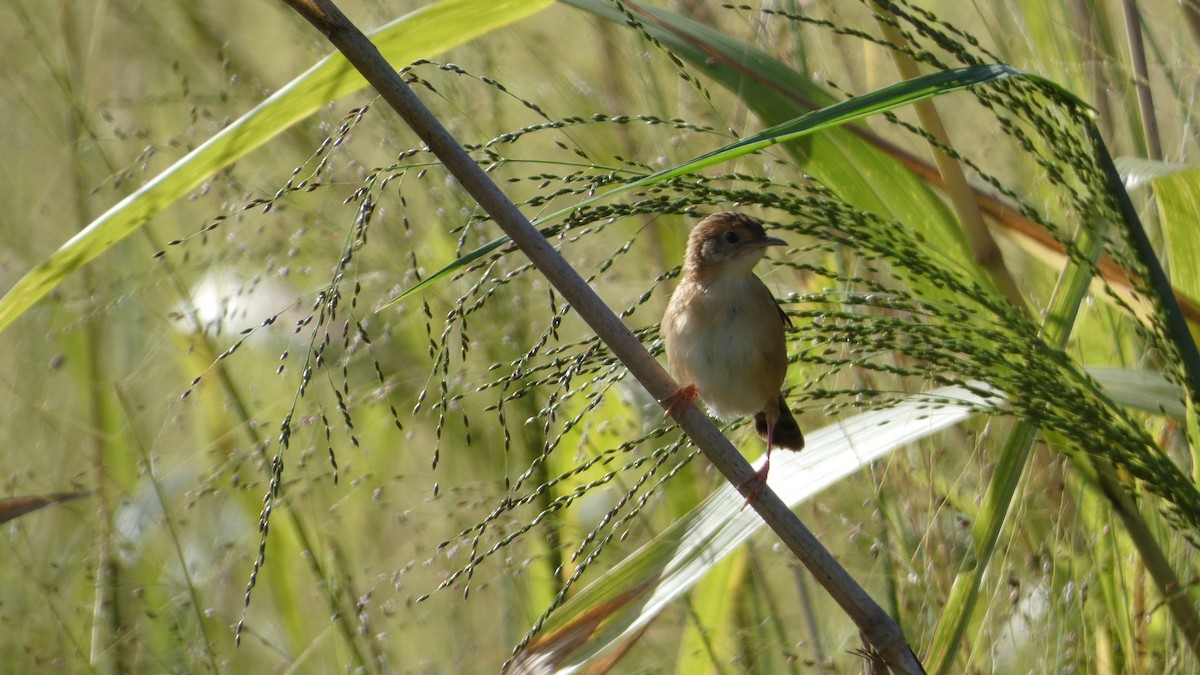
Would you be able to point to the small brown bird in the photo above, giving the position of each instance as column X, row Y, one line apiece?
column 724, row 333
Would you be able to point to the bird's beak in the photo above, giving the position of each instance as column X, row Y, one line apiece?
column 770, row 241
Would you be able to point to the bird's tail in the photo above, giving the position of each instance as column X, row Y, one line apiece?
column 787, row 433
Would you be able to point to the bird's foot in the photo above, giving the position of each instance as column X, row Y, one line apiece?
column 752, row 486
column 679, row 401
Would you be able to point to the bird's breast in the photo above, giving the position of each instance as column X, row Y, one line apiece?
column 727, row 339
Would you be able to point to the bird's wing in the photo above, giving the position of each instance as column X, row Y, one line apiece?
column 787, row 320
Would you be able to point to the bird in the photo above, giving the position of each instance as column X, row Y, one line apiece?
column 724, row 334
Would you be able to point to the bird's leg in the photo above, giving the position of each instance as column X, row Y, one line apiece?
column 754, row 484
column 679, row 401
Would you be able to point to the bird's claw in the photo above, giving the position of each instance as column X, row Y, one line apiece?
column 679, row 401
column 753, row 486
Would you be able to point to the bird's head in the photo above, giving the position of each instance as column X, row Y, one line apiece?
column 726, row 244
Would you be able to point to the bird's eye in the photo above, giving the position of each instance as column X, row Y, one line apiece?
column 731, row 237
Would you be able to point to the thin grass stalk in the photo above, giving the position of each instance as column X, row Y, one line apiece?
column 811, row 625
column 108, row 651
column 884, row 507
column 769, row 607
column 1083, row 19
column 197, row 608
column 549, row 545
column 1141, row 79
column 866, row 613
column 345, row 576
column 1107, row 546
column 993, row 515
column 983, row 246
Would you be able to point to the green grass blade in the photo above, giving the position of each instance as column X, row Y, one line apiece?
column 844, row 112
column 1171, row 315
column 850, row 166
column 422, row 33
column 844, row 159
column 855, row 171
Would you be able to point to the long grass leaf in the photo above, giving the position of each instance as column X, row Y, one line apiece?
column 1170, row 312
column 425, row 32
column 844, row 112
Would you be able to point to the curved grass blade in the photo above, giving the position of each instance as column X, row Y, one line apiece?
column 422, row 33
column 843, row 112
column 846, row 160
column 856, row 165
column 881, row 100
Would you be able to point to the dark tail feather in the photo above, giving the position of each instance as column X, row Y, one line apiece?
column 787, row 432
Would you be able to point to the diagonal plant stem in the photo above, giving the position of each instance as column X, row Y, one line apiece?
column 1010, row 466
column 880, row 630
